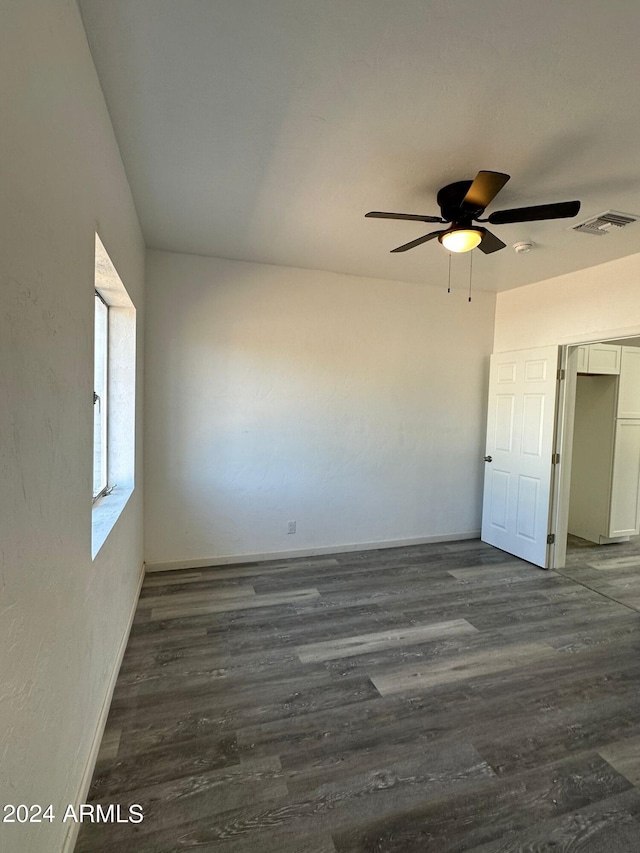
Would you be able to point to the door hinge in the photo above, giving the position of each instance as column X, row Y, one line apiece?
column 551, row 538
column 555, row 458
column 561, row 373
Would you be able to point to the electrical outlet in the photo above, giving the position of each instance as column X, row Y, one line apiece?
column 291, row 527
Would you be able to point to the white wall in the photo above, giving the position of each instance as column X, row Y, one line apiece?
column 596, row 303
column 62, row 616
column 354, row 406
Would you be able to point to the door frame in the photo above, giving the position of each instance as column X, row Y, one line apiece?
column 563, row 443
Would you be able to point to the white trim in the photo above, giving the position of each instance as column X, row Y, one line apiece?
column 565, row 409
column 307, row 552
column 74, row 828
column 595, row 337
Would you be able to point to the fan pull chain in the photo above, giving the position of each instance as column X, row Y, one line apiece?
column 449, row 288
column 470, row 272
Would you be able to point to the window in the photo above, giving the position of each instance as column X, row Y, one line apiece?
column 100, row 410
column 114, row 398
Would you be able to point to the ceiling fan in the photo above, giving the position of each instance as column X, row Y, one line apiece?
column 463, row 202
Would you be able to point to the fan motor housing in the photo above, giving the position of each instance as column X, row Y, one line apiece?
column 449, row 200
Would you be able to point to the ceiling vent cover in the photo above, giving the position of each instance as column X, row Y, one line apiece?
column 604, row 223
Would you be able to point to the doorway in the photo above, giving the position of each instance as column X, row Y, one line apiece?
column 596, row 501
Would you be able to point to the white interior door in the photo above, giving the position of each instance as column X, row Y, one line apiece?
column 518, row 462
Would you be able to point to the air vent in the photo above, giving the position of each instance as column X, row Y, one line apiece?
column 605, row 223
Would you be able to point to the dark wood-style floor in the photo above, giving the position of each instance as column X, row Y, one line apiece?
column 435, row 698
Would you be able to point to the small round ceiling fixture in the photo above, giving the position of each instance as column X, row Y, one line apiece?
column 523, row 247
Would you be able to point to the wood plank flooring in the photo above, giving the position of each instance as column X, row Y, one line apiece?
column 440, row 698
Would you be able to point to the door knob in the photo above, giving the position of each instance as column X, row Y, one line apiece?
column 488, row 459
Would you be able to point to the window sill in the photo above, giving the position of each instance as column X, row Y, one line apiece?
column 104, row 514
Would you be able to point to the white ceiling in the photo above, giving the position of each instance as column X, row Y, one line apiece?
column 264, row 130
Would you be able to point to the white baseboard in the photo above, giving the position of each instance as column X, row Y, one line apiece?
column 74, row 828
column 306, row 552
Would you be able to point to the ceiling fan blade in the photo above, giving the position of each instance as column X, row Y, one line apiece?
column 484, row 189
column 490, row 243
column 379, row 214
column 430, row 236
column 532, row 214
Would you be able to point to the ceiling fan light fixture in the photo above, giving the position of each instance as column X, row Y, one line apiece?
column 461, row 239
column 463, row 202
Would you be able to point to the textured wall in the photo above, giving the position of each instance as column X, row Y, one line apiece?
column 596, row 303
column 354, row 406
column 62, row 616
